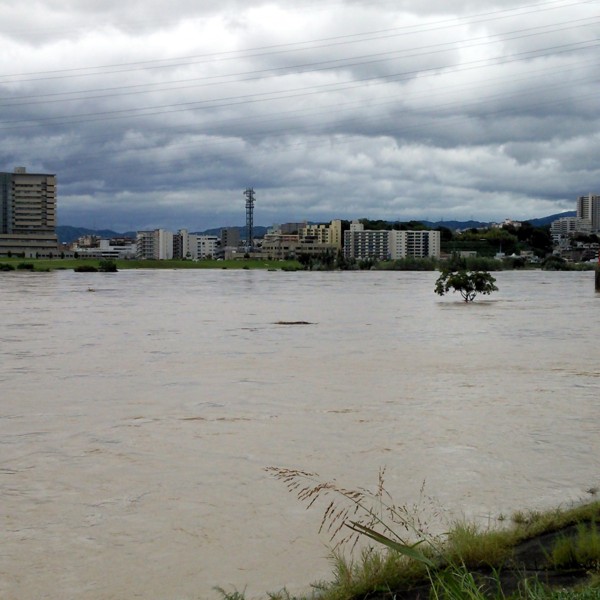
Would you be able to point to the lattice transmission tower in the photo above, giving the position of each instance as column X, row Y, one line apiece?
column 249, row 193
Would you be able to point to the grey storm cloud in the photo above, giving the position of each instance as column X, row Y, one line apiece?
column 156, row 115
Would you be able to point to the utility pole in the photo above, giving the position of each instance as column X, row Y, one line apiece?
column 249, row 193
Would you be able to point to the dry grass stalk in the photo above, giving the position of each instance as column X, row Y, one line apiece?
column 373, row 509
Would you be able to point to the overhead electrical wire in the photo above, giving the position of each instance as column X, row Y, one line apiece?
column 220, row 129
column 302, row 68
column 295, row 92
column 439, row 111
column 331, row 128
column 227, row 128
column 320, row 140
column 289, row 47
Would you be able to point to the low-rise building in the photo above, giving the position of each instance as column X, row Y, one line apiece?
column 122, row 248
column 566, row 227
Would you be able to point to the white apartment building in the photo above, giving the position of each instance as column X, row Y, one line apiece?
column 203, row 246
column 416, row 244
column 384, row 244
column 108, row 249
column 154, row 245
column 566, row 227
column 361, row 244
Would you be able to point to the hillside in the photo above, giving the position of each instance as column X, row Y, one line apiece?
column 68, row 234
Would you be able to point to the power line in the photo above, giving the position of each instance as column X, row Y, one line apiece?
column 290, row 47
column 286, row 94
column 302, row 68
column 433, row 117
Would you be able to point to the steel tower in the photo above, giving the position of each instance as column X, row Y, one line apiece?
column 249, row 193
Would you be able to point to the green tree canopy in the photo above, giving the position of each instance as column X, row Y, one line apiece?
column 467, row 283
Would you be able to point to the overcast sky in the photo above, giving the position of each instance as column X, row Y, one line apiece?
column 160, row 114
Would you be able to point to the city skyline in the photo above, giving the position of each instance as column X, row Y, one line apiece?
column 328, row 110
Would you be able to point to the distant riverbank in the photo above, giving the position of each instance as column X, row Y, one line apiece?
column 407, row 264
column 55, row 264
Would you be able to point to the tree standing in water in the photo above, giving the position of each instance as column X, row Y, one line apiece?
column 467, row 283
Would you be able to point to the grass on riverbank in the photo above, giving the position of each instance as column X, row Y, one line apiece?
column 55, row 264
column 406, row 264
column 553, row 555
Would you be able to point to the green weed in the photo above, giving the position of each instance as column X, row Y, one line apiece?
column 581, row 550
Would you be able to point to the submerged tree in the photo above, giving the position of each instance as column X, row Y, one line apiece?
column 467, row 283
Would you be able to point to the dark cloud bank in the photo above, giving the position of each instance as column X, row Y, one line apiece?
column 341, row 109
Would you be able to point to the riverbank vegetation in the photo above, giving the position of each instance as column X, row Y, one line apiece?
column 406, row 264
column 552, row 555
column 83, row 264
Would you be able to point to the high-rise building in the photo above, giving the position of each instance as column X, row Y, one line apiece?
column 230, row 237
column 181, row 244
column 361, row 244
column 415, row 244
column 28, row 213
column 385, row 244
column 154, row 245
column 588, row 208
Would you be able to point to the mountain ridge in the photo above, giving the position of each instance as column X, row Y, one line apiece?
column 69, row 233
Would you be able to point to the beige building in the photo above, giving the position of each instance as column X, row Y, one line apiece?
column 289, row 246
column 28, row 214
column 291, row 240
column 330, row 235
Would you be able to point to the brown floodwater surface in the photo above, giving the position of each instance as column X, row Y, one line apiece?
column 137, row 419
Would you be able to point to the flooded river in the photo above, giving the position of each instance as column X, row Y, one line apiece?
column 138, row 411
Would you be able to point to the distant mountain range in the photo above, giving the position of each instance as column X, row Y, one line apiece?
column 68, row 234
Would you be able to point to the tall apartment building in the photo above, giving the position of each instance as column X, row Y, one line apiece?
column 361, row 244
column 28, row 213
column 181, row 244
column 230, row 237
column 416, row 244
column 204, row 246
column 384, row 244
column 588, row 208
column 154, row 245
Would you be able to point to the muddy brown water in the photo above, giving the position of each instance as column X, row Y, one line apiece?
column 136, row 420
